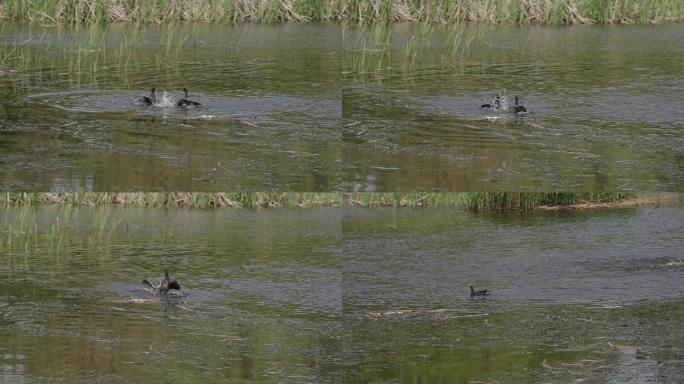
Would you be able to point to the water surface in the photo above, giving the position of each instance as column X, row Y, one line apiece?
column 269, row 120
column 587, row 296
column 261, row 295
column 605, row 108
column 342, row 295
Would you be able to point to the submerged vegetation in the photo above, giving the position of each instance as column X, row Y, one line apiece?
column 91, row 54
column 356, row 11
column 474, row 201
column 381, row 50
column 26, row 230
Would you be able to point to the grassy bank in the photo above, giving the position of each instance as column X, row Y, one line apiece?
column 485, row 201
column 69, row 220
column 518, row 11
column 175, row 199
column 473, row 201
column 357, row 11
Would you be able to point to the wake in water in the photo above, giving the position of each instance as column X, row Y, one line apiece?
column 166, row 100
column 500, row 104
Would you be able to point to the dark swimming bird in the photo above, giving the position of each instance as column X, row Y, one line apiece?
column 184, row 102
column 518, row 108
column 163, row 287
column 496, row 105
column 474, row 293
column 147, row 100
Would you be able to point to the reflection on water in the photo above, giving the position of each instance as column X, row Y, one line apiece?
column 604, row 108
column 269, row 120
column 353, row 295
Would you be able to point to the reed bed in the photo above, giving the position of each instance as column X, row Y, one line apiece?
column 175, row 199
column 160, row 11
column 357, row 11
column 25, row 230
column 515, row 11
column 484, row 201
column 474, row 201
column 98, row 54
column 380, row 51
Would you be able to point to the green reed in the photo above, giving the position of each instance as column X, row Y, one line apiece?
column 380, row 51
column 370, row 54
column 483, row 201
column 356, row 11
column 476, row 201
column 175, row 199
column 29, row 229
column 515, row 11
column 87, row 54
column 159, row 11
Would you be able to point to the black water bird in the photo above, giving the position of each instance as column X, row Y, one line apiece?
column 518, row 108
column 496, row 105
column 184, row 102
column 474, row 293
column 163, row 287
column 147, row 100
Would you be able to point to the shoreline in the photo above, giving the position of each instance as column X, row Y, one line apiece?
column 642, row 200
column 466, row 201
column 524, row 12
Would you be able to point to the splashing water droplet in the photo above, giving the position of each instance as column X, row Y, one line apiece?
column 165, row 100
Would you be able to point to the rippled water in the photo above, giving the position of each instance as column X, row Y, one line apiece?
column 312, row 107
column 269, row 120
column 318, row 295
column 588, row 296
column 605, row 108
column 261, row 295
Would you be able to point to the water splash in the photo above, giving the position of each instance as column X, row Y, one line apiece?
column 500, row 102
column 165, row 101
column 505, row 105
column 674, row 263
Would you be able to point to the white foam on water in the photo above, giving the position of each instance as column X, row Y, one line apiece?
column 165, row 101
column 673, row 263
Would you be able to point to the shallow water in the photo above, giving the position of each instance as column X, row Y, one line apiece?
column 605, row 108
column 588, row 296
column 367, row 295
column 305, row 107
column 261, row 296
column 269, row 119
